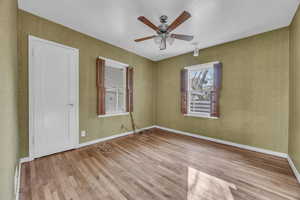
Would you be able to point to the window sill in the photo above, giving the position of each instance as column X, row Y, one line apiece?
column 200, row 116
column 113, row 114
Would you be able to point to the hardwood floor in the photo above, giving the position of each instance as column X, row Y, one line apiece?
column 158, row 165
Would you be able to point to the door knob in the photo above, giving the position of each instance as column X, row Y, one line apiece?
column 70, row 104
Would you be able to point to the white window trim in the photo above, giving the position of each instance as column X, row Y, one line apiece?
column 200, row 115
column 113, row 114
column 201, row 66
column 195, row 68
column 119, row 65
column 114, row 63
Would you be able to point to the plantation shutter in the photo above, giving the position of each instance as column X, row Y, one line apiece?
column 184, row 90
column 215, row 94
column 129, row 89
column 100, row 71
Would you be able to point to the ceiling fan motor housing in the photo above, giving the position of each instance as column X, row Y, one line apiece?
column 163, row 27
column 163, row 19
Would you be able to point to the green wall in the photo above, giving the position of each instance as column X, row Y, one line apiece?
column 254, row 100
column 8, row 97
column 294, row 132
column 89, row 49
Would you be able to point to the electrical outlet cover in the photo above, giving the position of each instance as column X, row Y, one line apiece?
column 83, row 133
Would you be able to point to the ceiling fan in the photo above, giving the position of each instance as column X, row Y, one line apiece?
column 164, row 30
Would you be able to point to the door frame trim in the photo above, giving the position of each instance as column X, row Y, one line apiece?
column 31, row 94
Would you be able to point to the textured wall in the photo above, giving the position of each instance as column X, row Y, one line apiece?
column 254, row 101
column 254, row 97
column 294, row 132
column 89, row 49
column 8, row 97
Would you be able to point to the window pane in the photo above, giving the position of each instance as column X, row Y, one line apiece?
column 199, row 105
column 201, row 80
column 114, row 83
column 200, row 87
column 110, row 101
column 114, row 77
column 121, row 102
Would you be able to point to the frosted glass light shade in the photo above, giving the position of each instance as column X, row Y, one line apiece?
column 170, row 40
column 157, row 40
column 163, row 45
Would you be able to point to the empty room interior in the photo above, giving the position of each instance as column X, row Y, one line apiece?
column 150, row 100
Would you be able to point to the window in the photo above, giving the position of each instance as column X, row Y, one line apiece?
column 114, row 88
column 200, row 88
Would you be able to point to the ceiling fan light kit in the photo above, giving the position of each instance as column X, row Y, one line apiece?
column 157, row 40
column 170, row 40
column 163, row 31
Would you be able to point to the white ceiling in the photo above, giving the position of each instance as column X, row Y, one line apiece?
column 213, row 21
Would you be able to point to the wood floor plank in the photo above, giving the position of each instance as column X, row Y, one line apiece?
column 158, row 165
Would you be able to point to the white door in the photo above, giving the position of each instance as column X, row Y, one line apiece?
column 53, row 97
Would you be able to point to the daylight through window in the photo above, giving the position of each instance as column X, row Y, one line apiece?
column 200, row 82
column 200, row 90
column 115, row 89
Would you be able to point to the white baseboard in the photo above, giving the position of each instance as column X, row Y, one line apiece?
column 28, row 159
column 296, row 172
column 242, row 146
column 111, row 137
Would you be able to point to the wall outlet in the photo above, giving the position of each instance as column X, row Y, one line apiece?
column 83, row 133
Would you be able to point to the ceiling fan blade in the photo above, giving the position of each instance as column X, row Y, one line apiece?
column 182, row 18
column 148, row 23
column 144, row 38
column 182, row 37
